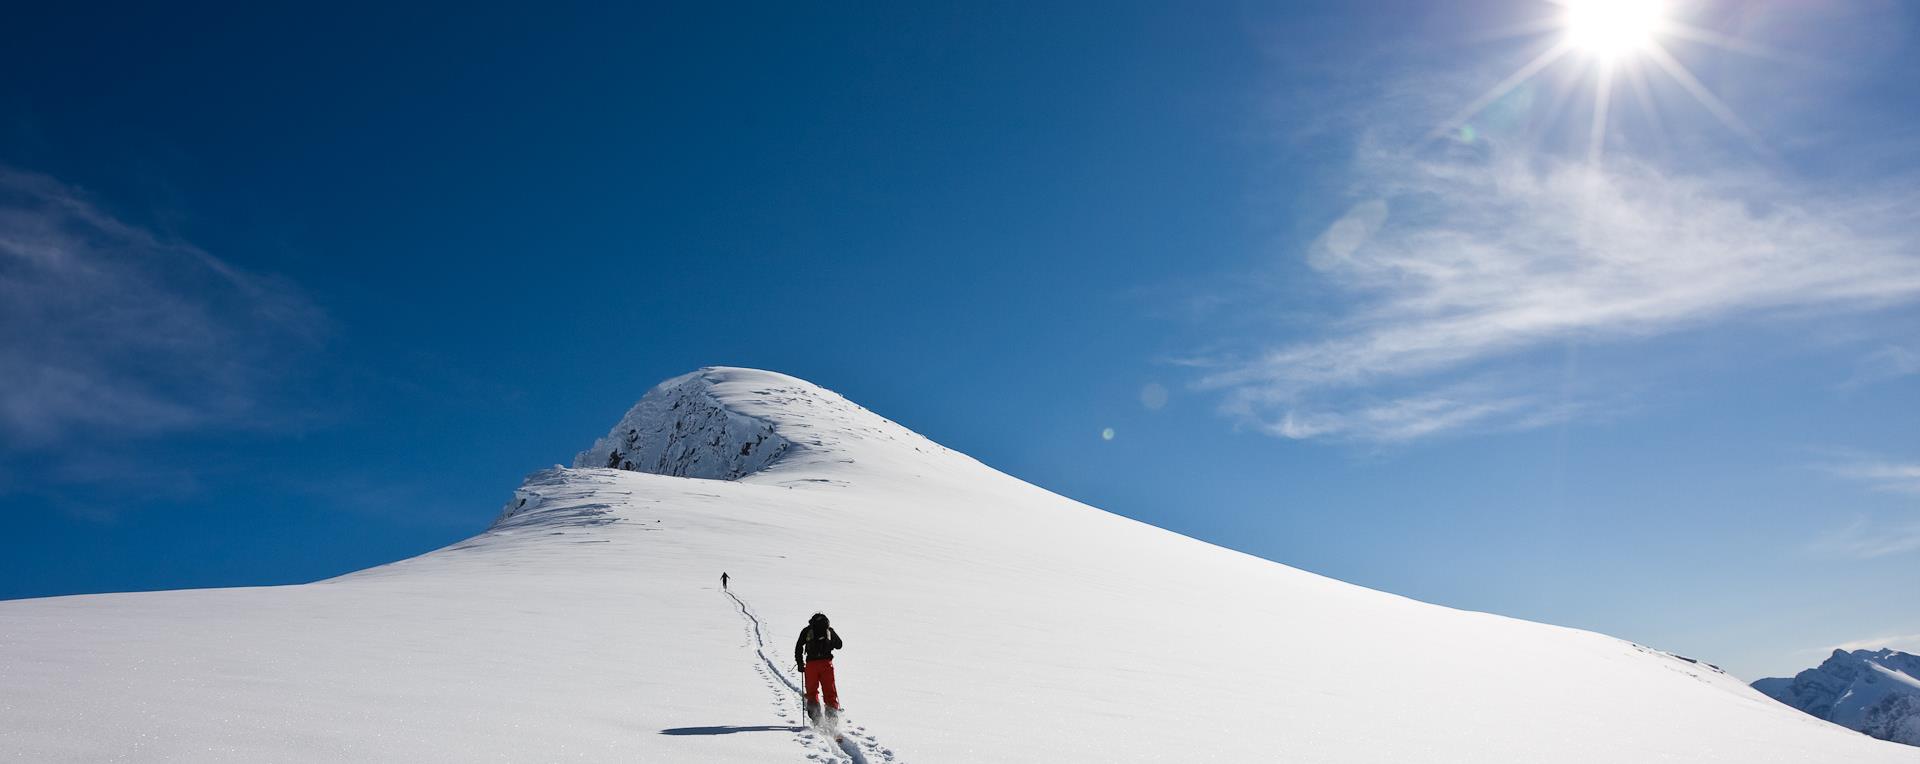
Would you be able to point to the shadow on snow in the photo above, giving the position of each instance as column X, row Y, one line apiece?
column 728, row 730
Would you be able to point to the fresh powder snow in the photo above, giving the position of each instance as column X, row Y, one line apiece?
column 985, row 620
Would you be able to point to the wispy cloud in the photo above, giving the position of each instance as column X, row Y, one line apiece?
column 1883, row 365
column 1448, row 273
column 1868, row 537
column 1478, row 402
column 1455, row 263
column 1880, row 474
column 1864, row 540
column 107, row 327
column 1909, row 643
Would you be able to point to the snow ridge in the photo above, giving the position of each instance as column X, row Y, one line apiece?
column 1875, row 692
column 529, row 510
column 680, row 428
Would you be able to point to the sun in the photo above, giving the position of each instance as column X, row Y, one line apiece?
column 1613, row 41
column 1611, row 29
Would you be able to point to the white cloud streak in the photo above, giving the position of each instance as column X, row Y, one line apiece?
column 1883, row 365
column 1908, row 643
column 1458, row 264
column 1867, row 537
column 1862, row 540
column 1882, row 475
column 106, row 327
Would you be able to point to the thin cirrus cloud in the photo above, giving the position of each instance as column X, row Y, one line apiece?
column 106, row 327
column 1903, row 642
column 1869, row 537
column 1455, row 267
column 1865, row 540
column 1882, row 475
column 1888, row 363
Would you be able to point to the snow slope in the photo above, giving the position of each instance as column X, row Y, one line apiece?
column 1874, row 691
column 985, row 619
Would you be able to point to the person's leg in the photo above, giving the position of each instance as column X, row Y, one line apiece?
column 826, row 683
column 810, row 680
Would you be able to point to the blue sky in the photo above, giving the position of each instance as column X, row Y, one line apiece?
column 293, row 292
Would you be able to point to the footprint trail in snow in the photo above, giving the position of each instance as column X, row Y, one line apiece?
column 855, row 745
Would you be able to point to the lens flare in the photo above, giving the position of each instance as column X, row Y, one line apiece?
column 1603, row 41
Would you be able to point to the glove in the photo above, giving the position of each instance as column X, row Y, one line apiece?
column 800, row 667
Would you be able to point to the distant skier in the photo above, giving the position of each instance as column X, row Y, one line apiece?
column 814, row 653
column 723, row 580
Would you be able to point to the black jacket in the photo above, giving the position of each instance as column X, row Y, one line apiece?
column 816, row 643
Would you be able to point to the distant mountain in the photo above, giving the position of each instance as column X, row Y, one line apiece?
column 1873, row 691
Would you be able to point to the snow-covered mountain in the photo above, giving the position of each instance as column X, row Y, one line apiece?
column 985, row 620
column 1873, row 691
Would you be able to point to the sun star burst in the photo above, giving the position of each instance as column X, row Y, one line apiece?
column 1614, row 37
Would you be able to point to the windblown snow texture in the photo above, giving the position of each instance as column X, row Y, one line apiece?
column 679, row 429
column 1873, row 691
column 995, row 622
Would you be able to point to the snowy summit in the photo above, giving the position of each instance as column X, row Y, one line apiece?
column 1874, row 691
column 984, row 618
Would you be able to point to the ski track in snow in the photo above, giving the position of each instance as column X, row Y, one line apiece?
column 856, row 745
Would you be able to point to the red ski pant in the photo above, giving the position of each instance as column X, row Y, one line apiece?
column 820, row 676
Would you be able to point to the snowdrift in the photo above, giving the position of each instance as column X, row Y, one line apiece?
column 985, row 619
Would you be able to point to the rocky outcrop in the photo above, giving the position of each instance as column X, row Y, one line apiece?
column 681, row 429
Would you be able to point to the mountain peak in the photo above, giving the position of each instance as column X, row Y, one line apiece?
column 727, row 423
column 1874, row 691
column 685, row 427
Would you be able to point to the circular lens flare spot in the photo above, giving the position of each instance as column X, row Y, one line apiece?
column 1610, row 29
column 1153, row 396
column 1106, row 434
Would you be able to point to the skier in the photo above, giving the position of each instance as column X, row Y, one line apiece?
column 723, row 580
column 814, row 652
